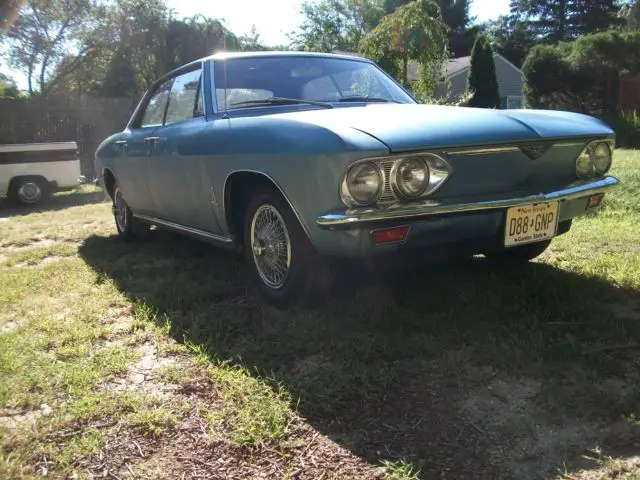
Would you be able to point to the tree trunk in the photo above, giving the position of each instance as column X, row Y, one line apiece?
column 405, row 78
column 30, row 79
column 562, row 20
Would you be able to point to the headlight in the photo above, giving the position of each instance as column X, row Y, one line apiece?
column 602, row 158
column 584, row 164
column 412, row 177
column 362, row 184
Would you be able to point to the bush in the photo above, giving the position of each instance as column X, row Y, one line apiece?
column 581, row 76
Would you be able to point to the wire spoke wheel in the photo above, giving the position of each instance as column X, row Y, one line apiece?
column 271, row 246
column 120, row 210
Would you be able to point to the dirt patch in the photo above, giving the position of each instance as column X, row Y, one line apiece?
column 417, row 419
column 39, row 242
column 45, row 261
column 310, row 364
column 10, row 326
column 11, row 419
column 189, row 451
column 523, row 439
column 143, row 375
column 614, row 468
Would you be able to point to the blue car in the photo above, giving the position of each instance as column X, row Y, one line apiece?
column 291, row 157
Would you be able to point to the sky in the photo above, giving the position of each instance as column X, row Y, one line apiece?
column 273, row 19
column 274, row 23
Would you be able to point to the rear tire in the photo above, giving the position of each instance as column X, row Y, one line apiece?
column 28, row 191
column 283, row 264
column 520, row 254
column 129, row 228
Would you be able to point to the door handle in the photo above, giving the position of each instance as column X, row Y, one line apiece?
column 122, row 144
column 152, row 140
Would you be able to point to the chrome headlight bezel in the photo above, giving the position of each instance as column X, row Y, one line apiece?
column 602, row 168
column 399, row 185
column 438, row 169
column 346, row 193
column 586, row 165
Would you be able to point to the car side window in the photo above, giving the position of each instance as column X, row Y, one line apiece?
column 182, row 100
column 199, row 111
column 154, row 111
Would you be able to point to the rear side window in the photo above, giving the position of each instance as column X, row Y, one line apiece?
column 154, row 111
column 183, row 97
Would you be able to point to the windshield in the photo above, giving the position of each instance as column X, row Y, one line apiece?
column 318, row 79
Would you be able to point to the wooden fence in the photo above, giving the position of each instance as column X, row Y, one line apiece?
column 84, row 119
column 629, row 99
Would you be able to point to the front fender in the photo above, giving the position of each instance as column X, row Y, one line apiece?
column 305, row 162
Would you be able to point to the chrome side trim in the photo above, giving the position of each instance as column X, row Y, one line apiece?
column 188, row 230
column 457, row 152
column 353, row 218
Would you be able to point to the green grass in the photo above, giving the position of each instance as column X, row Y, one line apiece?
column 380, row 369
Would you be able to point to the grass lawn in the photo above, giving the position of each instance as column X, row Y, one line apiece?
column 152, row 361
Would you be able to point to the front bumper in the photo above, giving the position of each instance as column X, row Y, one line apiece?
column 360, row 217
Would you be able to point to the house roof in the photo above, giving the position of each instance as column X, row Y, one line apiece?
column 452, row 67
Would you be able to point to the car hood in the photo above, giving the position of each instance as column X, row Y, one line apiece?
column 412, row 127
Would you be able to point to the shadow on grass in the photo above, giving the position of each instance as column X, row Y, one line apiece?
column 56, row 202
column 383, row 366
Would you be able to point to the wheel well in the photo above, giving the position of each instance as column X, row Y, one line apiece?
column 237, row 193
column 39, row 178
column 109, row 181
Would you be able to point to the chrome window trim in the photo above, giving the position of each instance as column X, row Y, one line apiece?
column 214, row 95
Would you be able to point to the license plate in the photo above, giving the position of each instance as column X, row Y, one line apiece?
column 531, row 223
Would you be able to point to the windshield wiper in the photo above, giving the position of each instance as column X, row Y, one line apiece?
column 279, row 101
column 366, row 98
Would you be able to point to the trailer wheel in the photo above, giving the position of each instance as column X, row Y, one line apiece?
column 28, row 190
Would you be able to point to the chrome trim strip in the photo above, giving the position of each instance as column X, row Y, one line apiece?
column 426, row 208
column 182, row 228
column 481, row 151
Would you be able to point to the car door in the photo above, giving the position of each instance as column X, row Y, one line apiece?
column 177, row 179
column 139, row 146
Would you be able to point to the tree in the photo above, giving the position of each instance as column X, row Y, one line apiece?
column 120, row 77
column 414, row 31
column 8, row 87
column 251, row 42
column 335, row 24
column 455, row 14
column 509, row 37
column 482, row 76
column 562, row 20
column 44, row 32
column 629, row 15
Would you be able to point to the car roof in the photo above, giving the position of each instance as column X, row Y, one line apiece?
column 271, row 53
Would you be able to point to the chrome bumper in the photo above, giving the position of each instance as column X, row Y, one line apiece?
column 426, row 208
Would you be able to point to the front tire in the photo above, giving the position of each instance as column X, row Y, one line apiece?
column 519, row 254
column 129, row 228
column 28, row 191
column 282, row 261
